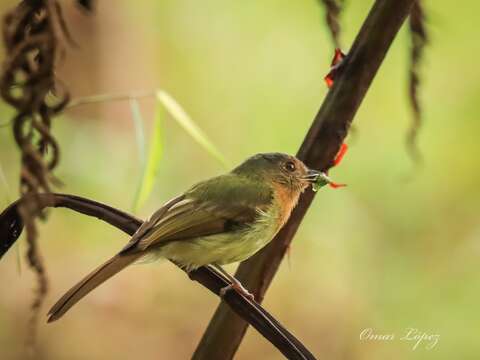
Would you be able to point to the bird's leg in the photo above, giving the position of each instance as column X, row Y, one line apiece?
column 235, row 284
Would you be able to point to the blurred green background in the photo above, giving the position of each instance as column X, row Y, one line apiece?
column 398, row 248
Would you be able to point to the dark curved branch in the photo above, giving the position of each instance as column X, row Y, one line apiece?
column 11, row 227
column 318, row 150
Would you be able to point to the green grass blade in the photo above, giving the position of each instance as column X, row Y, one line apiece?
column 151, row 165
column 182, row 118
column 139, row 131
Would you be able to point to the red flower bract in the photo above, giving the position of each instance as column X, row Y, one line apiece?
column 341, row 153
column 338, row 158
column 336, row 62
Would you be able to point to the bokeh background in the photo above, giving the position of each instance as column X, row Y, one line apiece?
column 398, row 248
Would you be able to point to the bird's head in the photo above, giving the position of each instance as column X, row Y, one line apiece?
column 278, row 169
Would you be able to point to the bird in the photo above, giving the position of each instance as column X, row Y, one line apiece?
column 219, row 221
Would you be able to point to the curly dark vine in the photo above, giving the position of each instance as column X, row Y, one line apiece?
column 31, row 35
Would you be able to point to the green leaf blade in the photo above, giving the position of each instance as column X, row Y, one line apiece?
column 184, row 120
column 151, row 164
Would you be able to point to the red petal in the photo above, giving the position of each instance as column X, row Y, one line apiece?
column 341, row 153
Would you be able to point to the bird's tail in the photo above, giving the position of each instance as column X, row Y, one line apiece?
column 90, row 282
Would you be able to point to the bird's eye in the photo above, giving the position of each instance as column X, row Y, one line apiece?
column 289, row 166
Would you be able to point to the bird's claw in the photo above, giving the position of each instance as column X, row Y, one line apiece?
column 239, row 289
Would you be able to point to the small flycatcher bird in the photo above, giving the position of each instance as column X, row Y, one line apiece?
column 218, row 221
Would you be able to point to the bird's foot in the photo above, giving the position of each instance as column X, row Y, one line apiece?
column 239, row 288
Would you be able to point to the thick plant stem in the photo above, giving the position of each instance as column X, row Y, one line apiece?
column 330, row 126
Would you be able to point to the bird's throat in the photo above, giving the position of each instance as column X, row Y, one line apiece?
column 285, row 199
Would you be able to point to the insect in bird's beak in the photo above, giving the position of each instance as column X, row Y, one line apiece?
column 312, row 176
column 319, row 179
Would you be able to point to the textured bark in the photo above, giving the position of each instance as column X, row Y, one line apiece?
column 330, row 126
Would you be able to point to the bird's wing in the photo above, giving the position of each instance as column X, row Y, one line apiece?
column 151, row 221
column 214, row 206
column 217, row 205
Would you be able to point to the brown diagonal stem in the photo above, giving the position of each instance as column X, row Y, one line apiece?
column 330, row 126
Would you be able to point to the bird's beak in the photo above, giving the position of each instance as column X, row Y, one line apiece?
column 312, row 176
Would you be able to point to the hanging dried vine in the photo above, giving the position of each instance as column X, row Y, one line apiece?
column 419, row 40
column 31, row 33
column 332, row 13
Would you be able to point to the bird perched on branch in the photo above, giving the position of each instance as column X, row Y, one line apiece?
column 218, row 221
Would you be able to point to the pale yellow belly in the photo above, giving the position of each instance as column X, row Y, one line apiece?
column 222, row 248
